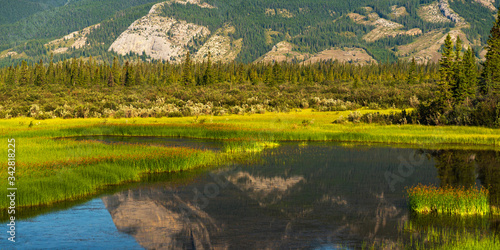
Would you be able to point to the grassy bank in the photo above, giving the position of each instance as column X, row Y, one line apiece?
column 50, row 169
column 302, row 125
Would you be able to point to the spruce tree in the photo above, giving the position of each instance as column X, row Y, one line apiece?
column 74, row 72
column 470, row 73
column 129, row 74
column 116, row 71
column 457, row 85
column 208, row 76
column 412, row 75
column 24, row 74
column 187, row 77
column 490, row 77
column 51, row 70
column 11, row 81
column 39, row 74
column 446, row 73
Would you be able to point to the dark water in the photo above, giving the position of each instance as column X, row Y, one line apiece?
column 314, row 196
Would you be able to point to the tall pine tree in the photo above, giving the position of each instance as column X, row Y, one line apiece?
column 208, row 75
column 490, row 77
column 412, row 75
column 446, row 72
column 470, row 73
column 457, row 85
column 187, row 77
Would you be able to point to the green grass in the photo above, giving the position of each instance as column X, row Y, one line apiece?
column 269, row 127
column 50, row 170
column 473, row 243
column 430, row 236
column 53, row 170
column 449, row 200
column 43, row 178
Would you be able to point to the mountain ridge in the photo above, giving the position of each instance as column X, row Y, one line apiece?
column 384, row 30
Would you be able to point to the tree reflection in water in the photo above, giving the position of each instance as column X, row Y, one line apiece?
column 299, row 197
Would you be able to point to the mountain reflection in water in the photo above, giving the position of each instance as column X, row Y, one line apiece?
column 298, row 197
column 319, row 196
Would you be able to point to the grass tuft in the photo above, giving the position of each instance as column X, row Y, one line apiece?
column 449, row 200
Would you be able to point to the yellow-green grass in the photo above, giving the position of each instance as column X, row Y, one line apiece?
column 473, row 243
column 50, row 170
column 440, row 238
column 450, row 200
column 269, row 127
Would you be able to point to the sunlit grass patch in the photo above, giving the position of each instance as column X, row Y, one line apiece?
column 248, row 146
column 449, row 200
column 51, row 170
column 446, row 237
column 41, row 157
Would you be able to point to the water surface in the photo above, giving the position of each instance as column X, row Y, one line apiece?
column 314, row 196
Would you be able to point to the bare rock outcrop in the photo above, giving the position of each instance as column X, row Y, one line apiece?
column 74, row 40
column 345, row 55
column 221, row 46
column 160, row 219
column 159, row 37
column 195, row 2
column 427, row 47
column 398, row 11
column 431, row 13
column 264, row 190
column 449, row 13
column 487, row 3
column 384, row 28
column 283, row 51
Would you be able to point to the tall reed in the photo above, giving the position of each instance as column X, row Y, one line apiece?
column 449, row 200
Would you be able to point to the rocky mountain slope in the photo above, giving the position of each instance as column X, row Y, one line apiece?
column 158, row 37
column 268, row 31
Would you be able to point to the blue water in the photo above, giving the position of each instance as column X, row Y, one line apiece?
column 319, row 196
column 87, row 226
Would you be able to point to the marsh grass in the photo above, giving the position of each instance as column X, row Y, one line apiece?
column 50, row 182
column 267, row 127
column 449, row 200
column 248, row 146
column 446, row 237
column 51, row 170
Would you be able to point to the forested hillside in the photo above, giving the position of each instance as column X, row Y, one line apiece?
column 385, row 29
column 12, row 11
column 57, row 22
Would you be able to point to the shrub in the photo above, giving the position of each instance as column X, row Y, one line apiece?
column 354, row 117
column 43, row 115
column 119, row 114
column 340, row 120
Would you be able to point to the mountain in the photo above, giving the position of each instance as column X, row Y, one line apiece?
column 358, row 31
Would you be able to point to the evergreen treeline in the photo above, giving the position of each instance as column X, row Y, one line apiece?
column 84, row 88
column 84, row 72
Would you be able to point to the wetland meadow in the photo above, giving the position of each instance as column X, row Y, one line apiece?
column 275, row 180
